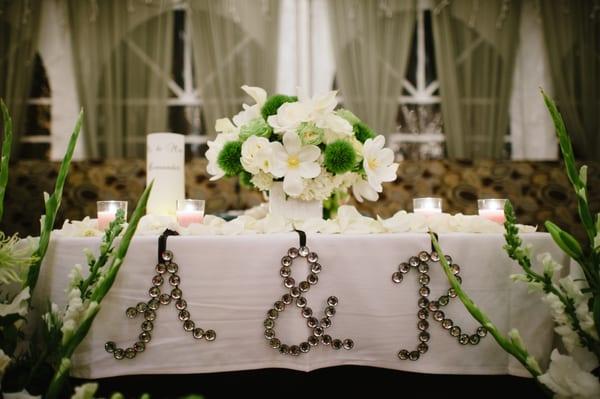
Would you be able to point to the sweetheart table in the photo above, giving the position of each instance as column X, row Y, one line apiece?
column 230, row 282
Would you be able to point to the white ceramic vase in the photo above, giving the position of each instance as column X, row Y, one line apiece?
column 291, row 208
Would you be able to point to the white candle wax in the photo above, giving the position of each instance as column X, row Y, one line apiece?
column 495, row 215
column 185, row 218
column 105, row 217
column 492, row 209
column 427, row 206
column 165, row 161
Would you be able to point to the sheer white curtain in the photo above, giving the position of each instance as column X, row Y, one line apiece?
column 531, row 129
column 235, row 43
column 371, row 42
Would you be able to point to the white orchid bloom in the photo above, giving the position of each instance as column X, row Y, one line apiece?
column 378, row 163
column 17, row 306
column 362, row 189
column 251, row 111
column 567, row 380
column 288, row 117
column 294, row 161
column 256, row 155
column 212, row 154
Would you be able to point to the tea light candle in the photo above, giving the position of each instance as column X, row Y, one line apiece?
column 427, row 206
column 492, row 209
column 189, row 211
column 107, row 212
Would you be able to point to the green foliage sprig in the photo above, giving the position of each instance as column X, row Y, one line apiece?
column 51, row 206
column 104, row 282
column 512, row 343
column 6, row 147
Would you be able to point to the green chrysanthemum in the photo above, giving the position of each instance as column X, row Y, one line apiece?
column 273, row 103
column 246, row 179
column 310, row 134
column 362, row 132
column 256, row 127
column 229, row 158
column 339, row 157
column 347, row 115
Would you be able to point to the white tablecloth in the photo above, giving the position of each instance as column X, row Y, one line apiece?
column 230, row 282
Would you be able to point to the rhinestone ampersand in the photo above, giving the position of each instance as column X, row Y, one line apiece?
column 295, row 295
column 166, row 270
column 429, row 307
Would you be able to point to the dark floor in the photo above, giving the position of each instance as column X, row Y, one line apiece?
column 330, row 382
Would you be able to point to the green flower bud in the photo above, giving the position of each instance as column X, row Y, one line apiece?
column 256, row 127
column 310, row 134
column 362, row 132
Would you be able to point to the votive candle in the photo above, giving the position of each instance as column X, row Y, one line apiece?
column 107, row 212
column 492, row 209
column 427, row 205
column 189, row 211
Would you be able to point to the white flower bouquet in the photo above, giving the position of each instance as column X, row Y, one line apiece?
column 314, row 149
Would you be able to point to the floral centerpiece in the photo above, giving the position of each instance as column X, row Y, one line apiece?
column 303, row 143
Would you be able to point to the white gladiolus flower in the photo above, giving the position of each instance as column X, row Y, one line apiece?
column 251, row 111
column 378, row 163
column 73, row 314
column 256, row 155
column 293, row 161
column 85, row 391
column 567, row 380
column 17, row 306
column 75, row 276
column 212, row 154
column 586, row 318
column 557, row 308
column 550, row 266
column 362, row 189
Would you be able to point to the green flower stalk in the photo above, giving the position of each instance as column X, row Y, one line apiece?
column 6, row 147
column 512, row 343
column 273, row 103
column 97, row 292
column 51, row 205
column 229, row 158
column 340, row 157
column 256, row 127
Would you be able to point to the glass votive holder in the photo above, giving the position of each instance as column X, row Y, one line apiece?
column 492, row 209
column 427, row 205
column 189, row 211
column 107, row 212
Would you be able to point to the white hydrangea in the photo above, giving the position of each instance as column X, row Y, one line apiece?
column 263, row 181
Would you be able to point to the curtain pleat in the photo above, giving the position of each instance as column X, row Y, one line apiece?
column 475, row 46
column 572, row 36
column 123, row 57
column 19, row 27
column 372, row 44
column 235, row 43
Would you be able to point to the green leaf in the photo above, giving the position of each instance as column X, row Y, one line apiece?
column 52, row 205
column 583, row 174
column 6, row 147
column 565, row 241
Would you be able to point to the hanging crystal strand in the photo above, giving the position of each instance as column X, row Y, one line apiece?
column 296, row 295
column 429, row 307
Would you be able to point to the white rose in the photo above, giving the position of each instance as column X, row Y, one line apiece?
column 256, row 154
